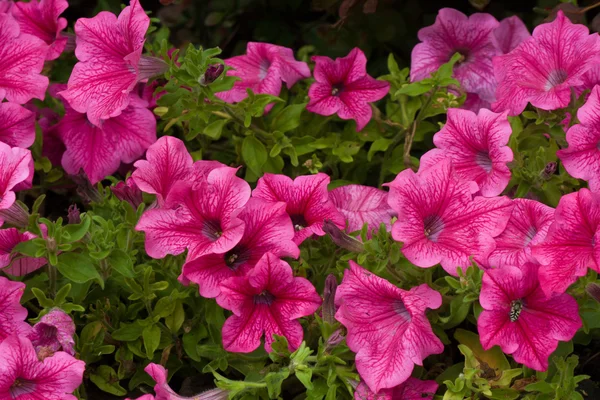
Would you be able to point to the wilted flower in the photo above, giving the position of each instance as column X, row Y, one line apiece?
column 212, row 73
column 329, row 309
column 54, row 332
column 341, row 238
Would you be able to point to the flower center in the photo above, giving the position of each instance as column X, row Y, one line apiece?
column 433, row 226
column 464, row 52
column 264, row 298
column 236, row 257
column 483, row 159
column 263, row 68
column 531, row 232
column 516, row 306
column 555, row 78
column 401, row 309
column 21, row 387
column 299, row 222
column 212, row 230
column 336, row 89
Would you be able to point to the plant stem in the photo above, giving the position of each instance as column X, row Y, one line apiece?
column 409, row 138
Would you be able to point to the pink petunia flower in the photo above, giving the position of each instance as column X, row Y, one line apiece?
column 267, row 229
column 569, row 248
column 204, row 220
column 475, row 103
column 519, row 318
column 6, row 6
column 14, row 264
column 21, row 62
column 363, row 205
column 52, row 333
column 110, row 64
column 262, row 69
column 12, row 313
column 542, row 69
column 307, row 201
column 411, row 389
column 41, row 18
column 269, row 301
column 454, row 32
column 582, row 158
column 387, row 326
column 477, row 145
column 17, row 166
column 527, row 226
column 129, row 192
column 510, row 34
column 24, row 376
column 17, row 125
column 343, row 87
column 440, row 221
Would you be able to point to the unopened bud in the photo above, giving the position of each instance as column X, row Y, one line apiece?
column 336, row 338
column 329, row 299
column 593, row 289
column 128, row 191
column 212, row 73
column 548, row 171
column 74, row 216
column 341, row 238
column 15, row 215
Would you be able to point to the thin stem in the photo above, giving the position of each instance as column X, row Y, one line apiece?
column 260, row 132
column 408, row 142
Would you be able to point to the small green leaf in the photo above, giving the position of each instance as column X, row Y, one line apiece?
column 121, row 262
column 274, row 381
column 76, row 232
column 78, row 268
column 254, row 154
column 288, row 118
column 214, row 129
column 128, row 332
column 106, row 379
column 151, row 336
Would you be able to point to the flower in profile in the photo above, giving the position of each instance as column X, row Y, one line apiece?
column 307, row 201
column 542, row 69
column 518, row 317
column 268, row 300
column 17, row 125
column 387, row 326
column 411, row 389
column 262, row 69
column 510, row 34
column 15, row 264
column 17, row 165
column 362, row 205
column 24, row 376
column 53, row 332
column 440, row 221
column 12, row 313
column 569, row 248
column 343, row 87
column 477, row 145
column 21, row 62
column 41, row 18
column 204, row 219
column 267, row 229
column 110, row 64
column 129, row 192
column 527, row 226
column 472, row 37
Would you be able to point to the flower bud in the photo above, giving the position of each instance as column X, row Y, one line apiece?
column 212, row 73
column 336, row 338
column 128, row 191
column 341, row 238
column 329, row 299
column 548, row 171
column 593, row 289
column 74, row 214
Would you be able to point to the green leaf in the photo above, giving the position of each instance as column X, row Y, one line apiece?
column 121, row 262
column 304, row 375
column 107, row 380
column 151, row 336
column 254, row 154
column 493, row 357
column 128, row 332
column 214, row 129
column 274, row 381
column 380, row 144
column 78, row 268
column 288, row 118
column 76, row 232
column 30, row 248
column 176, row 319
column 62, row 294
column 41, row 298
column 415, row 89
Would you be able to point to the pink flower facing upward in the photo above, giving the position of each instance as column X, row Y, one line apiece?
column 519, row 317
column 21, row 62
column 40, row 18
column 387, row 326
column 307, row 201
column 411, row 389
column 570, row 248
column 440, row 221
column 15, row 264
column 23, row 376
column 52, row 333
column 268, row 300
column 262, row 69
column 17, row 166
column 363, row 205
column 267, row 228
column 203, row 219
column 17, row 125
column 343, row 87
column 543, row 69
column 12, row 313
column 110, row 64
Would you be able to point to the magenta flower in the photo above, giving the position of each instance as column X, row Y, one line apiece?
column 15, row 264
column 454, row 32
column 569, row 248
column 21, row 62
column 267, row 229
column 343, row 87
column 110, row 64
column 510, row 34
column 5, row 6
column 477, row 145
column 475, row 103
column 12, row 313
column 23, row 376
column 53, row 332
column 17, row 166
column 363, row 205
column 307, row 201
column 129, row 192
column 440, row 221
column 387, row 326
column 262, row 69
column 17, row 125
column 40, row 18
column 519, row 318
column 204, row 220
column 543, row 69
column 411, row 389
column 269, row 301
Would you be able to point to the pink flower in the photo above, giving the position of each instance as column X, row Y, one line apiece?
column 510, row 34
column 343, row 87
column 454, row 32
column 40, row 18
column 204, row 220
column 17, row 166
column 477, row 145
column 164, row 391
column 527, row 226
column 267, row 229
column 569, row 248
column 17, row 125
column 129, row 192
column 542, row 69
column 411, row 389
column 12, row 313
column 363, row 205
column 5, row 6
column 262, row 69
column 17, row 265
column 110, row 64
column 21, row 62
column 475, row 103
column 53, row 332
column 440, row 221
column 307, row 202
column 519, row 318
column 23, row 376
column 268, row 300
column 387, row 326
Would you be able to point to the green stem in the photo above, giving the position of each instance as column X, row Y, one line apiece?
column 259, row 132
column 408, row 141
